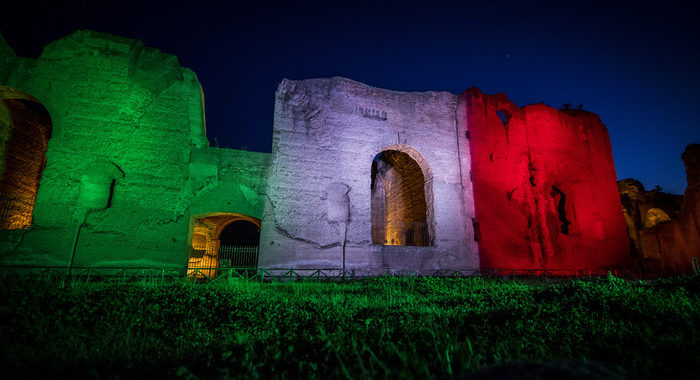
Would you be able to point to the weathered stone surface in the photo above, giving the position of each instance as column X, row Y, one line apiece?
column 123, row 178
column 359, row 178
column 544, row 187
column 25, row 128
column 671, row 244
column 327, row 133
column 655, row 216
column 633, row 189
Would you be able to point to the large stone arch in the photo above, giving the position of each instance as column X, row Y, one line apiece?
column 25, row 130
column 204, row 239
column 411, row 184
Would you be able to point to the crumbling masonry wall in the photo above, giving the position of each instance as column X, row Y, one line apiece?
column 353, row 170
column 665, row 230
column 326, row 135
column 128, row 162
column 544, row 187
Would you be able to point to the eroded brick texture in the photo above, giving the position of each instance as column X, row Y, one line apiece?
column 544, row 187
column 321, row 212
column 128, row 166
column 398, row 201
column 27, row 130
column 664, row 228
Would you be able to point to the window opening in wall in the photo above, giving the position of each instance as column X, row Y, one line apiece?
column 504, row 115
column 222, row 240
column 560, row 203
column 477, row 230
column 398, row 201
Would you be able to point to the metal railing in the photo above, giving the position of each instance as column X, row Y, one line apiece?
column 93, row 274
column 237, row 256
column 203, row 265
column 227, row 274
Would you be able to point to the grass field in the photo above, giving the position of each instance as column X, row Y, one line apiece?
column 398, row 327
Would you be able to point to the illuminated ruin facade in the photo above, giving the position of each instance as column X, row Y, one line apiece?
column 128, row 165
column 359, row 178
column 362, row 177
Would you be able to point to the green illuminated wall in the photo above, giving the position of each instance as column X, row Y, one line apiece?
column 128, row 163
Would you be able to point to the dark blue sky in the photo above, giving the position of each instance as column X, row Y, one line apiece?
column 633, row 63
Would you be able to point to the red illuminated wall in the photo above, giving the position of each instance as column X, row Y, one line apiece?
column 545, row 187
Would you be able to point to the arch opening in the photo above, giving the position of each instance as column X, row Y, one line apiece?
column 222, row 240
column 25, row 129
column 401, row 205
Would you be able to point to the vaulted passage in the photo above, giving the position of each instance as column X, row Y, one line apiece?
column 223, row 240
column 25, row 129
column 399, row 208
column 239, row 244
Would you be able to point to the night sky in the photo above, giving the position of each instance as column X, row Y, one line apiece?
column 636, row 64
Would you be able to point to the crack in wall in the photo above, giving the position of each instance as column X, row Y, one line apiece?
column 291, row 236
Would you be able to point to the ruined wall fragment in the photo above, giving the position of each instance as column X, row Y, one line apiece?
column 544, row 187
column 671, row 244
column 326, row 134
column 119, row 105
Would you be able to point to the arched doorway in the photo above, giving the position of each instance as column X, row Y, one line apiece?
column 401, row 198
column 238, row 244
column 25, row 129
column 222, row 240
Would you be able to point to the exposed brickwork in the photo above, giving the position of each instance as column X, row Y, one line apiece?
column 130, row 178
column 398, row 194
column 544, row 187
column 128, row 163
column 665, row 230
column 326, row 135
column 26, row 133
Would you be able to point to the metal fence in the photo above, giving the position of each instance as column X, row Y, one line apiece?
column 93, row 274
column 233, row 274
column 237, row 256
column 204, row 265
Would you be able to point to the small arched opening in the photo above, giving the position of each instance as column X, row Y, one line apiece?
column 401, row 198
column 238, row 244
column 25, row 129
column 222, row 240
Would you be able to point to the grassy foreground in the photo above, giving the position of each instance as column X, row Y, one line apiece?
column 378, row 327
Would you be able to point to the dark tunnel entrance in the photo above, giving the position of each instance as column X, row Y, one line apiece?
column 239, row 244
column 222, row 240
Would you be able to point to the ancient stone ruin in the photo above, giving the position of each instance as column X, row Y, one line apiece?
column 106, row 162
column 664, row 229
column 362, row 178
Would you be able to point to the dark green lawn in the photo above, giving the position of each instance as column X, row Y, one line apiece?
column 377, row 327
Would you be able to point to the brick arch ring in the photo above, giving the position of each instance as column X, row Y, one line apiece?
column 416, row 156
column 235, row 217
